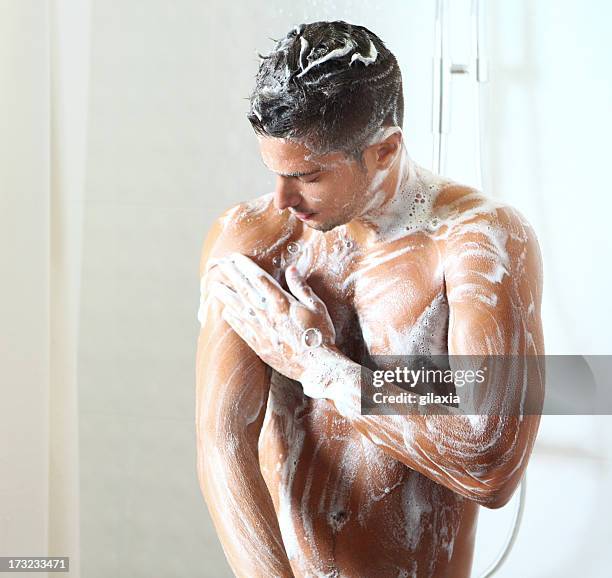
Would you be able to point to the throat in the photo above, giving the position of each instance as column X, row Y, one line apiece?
column 407, row 210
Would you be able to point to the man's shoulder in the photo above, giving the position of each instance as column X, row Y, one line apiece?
column 466, row 213
column 248, row 227
column 477, row 229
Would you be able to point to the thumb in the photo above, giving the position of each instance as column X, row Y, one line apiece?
column 300, row 289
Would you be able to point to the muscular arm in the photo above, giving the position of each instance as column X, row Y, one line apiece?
column 232, row 389
column 493, row 279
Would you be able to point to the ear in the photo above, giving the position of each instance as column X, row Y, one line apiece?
column 387, row 150
column 380, row 155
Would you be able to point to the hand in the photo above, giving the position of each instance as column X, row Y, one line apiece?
column 270, row 320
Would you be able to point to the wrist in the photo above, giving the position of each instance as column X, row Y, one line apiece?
column 326, row 370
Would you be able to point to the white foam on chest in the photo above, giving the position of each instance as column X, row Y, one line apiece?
column 425, row 336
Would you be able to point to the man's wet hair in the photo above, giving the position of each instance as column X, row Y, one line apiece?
column 328, row 85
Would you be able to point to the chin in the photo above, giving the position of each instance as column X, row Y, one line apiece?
column 326, row 226
column 323, row 227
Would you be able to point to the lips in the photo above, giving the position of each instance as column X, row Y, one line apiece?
column 303, row 216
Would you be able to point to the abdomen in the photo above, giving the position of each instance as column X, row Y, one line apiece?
column 345, row 508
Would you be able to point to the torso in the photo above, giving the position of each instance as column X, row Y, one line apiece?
column 345, row 507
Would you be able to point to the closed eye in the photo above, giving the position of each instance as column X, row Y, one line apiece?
column 310, row 178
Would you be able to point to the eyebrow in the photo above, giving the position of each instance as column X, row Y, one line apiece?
column 296, row 174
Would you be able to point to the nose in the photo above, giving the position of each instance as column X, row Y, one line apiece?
column 286, row 194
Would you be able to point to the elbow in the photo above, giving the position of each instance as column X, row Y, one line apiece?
column 494, row 485
column 491, row 498
column 500, row 474
column 495, row 499
column 497, row 492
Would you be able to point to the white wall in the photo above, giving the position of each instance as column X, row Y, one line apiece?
column 169, row 148
column 24, row 305
column 548, row 122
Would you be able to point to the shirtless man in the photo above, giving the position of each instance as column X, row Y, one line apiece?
column 363, row 252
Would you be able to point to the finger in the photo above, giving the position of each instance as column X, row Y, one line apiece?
column 212, row 263
column 300, row 289
column 211, row 271
column 241, row 328
column 240, row 283
column 235, row 303
column 277, row 299
column 226, row 295
column 265, row 285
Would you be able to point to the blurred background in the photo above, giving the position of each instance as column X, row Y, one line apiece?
column 123, row 135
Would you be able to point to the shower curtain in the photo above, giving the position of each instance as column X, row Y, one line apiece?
column 43, row 115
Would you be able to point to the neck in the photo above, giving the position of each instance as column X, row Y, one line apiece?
column 394, row 203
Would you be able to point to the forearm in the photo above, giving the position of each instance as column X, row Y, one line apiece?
column 472, row 456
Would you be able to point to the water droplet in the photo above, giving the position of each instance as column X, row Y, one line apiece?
column 312, row 337
column 293, row 248
column 276, row 261
column 348, row 243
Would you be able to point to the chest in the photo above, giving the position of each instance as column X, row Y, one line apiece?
column 390, row 301
column 386, row 302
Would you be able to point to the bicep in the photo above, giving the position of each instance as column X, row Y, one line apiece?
column 493, row 277
column 232, row 381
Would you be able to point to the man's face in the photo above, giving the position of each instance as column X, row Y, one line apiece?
column 323, row 191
